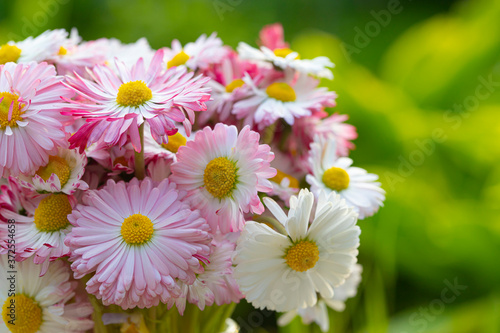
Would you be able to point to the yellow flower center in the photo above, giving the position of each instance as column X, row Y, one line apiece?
column 62, row 51
column 57, row 165
column 6, row 117
column 281, row 91
column 179, row 59
column 280, row 175
column 133, row 93
column 137, row 229
column 220, row 177
column 174, row 142
column 9, row 53
column 336, row 179
column 21, row 314
column 302, row 255
column 52, row 213
column 234, row 84
column 283, row 52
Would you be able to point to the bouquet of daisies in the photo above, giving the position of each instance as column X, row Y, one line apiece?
column 151, row 191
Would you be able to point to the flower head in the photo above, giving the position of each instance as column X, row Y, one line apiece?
column 41, row 304
column 335, row 174
column 283, row 272
column 121, row 103
column 31, row 127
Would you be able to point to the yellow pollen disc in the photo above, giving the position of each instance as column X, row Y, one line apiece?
column 284, row 52
column 133, row 93
column 137, row 229
column 234, row 84
column 52, row 213
column 294, row 183
column 302, row 255
column 220, row 177
column 57, row 165
column 27, row 313
column 281, row 91
column 336, row 179
column 9, row 53
column 179, row 59
column 8, row 100
column 174, row 142
column 62, row 51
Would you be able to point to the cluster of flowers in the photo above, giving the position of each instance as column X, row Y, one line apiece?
column 149, row 170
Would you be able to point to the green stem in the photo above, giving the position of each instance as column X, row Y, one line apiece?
column 152, row 320
column 139, row 157
column 273, row 222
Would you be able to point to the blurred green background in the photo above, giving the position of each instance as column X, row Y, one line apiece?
column 420, row 80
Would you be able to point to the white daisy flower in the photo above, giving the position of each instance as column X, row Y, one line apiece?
column 332, row 173
column 198, row 55
column 37, row 49
column 285, row 58
column 319, row 312
column 283, row 272
column 40, row 304
column 62, row 173
column 289, row 99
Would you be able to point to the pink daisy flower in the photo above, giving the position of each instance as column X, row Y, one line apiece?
column 41, row 233
column 215, row 284
column 223, row 171
column 63, row 173
column 16, row 198
column 121, row 103
column 31, row 126
column 272, row 36
column 290, row 99
column 137, row 238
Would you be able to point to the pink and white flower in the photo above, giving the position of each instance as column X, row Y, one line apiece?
column 223, row 171
column 40, row 234
column 121, row 103
column 215, row 284
column 331, row 173
column 31, row 126
column 138, row 238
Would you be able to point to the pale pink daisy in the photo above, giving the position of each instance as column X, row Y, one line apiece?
column 44, row 304
column 62, row 173
column 331, row 173
column 31, row 127
column 226, row 87
column 290, row 99
column 138, row 238
column 215, row 283
column 114, row 159
column 223, row 171
column 204, row 52
column 121, row 103
column 41, row 233
column 168, row 150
